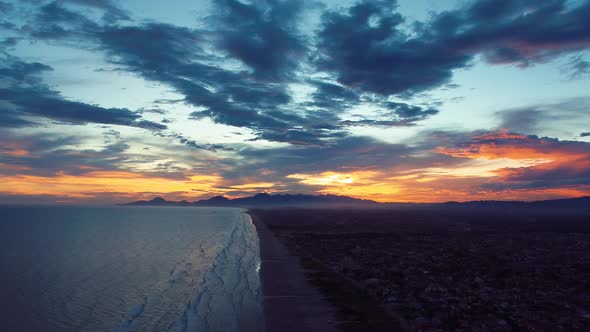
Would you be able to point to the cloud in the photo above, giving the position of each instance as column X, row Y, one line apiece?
column 23, row 94
column 578, row 67
column 395, row 115
column 365, row 50
column 263, row 35
column 54, row 22
column 544, row 162
column 524, row 120
column 563, row 118
column 436, row 166
column 192, row 143
column 12, row 119
column 197, row 63
column 333, row 97
column 112, row 13
column 368, row 47
column 59, row 21
column 49, row 154
column 228, row 97
column 5, row 7
column 406, row 111
column 349, row 153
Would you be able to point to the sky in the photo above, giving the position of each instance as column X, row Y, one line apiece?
column 105, row 101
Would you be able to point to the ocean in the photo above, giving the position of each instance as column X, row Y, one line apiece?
column 128, row 269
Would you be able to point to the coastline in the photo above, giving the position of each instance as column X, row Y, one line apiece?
column 290, row 302
column 230, row 298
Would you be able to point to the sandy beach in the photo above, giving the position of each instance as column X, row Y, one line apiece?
column 302, row 294
column 290, row 302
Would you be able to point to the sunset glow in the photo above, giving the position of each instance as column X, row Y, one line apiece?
column 117, row 103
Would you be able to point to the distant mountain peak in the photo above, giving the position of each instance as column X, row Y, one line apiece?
column 218, row 198
column 303, row 200
column 261, row 200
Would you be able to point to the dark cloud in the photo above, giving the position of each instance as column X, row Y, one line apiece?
column 346, row 154
column 585, row 134
column 5, row 7
column 174, row 56
column 54, row 107
column 168, row 101
column 8, row 42
column 152, row 110
column 227, row 97
column 394, row 114
column 192, row 143
column 23, row 94
column 333, row 97
column 13, row 119
column 261, row 34
column 59, row 21
column 365, row 50
column 406, row 111
column 110, row 135
column 577, row 67
column 54, row 22
column 525, row 32
column 367, row 47
column 46, row 155
column 264, row 36
column 112, row 13
column 49, row 155
column 169, row 47
column 14, row 70
column 538, row 177
column 559, row 119
column 523, row 120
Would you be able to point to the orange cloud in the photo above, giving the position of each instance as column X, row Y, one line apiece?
column 13, row 150
column 500, row 166
column 12, row 167
column 504, row 145
column 528, row 163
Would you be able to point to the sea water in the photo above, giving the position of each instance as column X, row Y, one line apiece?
column 128, row 269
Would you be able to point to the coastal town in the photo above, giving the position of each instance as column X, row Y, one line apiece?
column 453, row 271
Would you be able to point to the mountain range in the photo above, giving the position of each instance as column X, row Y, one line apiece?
column 283, row 200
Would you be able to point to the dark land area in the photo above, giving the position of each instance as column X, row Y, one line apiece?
column 449, row 267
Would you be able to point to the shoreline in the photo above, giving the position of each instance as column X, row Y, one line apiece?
column 301, row 293
column 229, row 295
column 290, row 302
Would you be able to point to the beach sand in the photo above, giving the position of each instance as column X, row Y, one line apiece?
column 290, row 302
column 302, row 294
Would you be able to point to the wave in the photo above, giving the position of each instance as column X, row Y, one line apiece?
column 230, row 297
column 134, row 313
